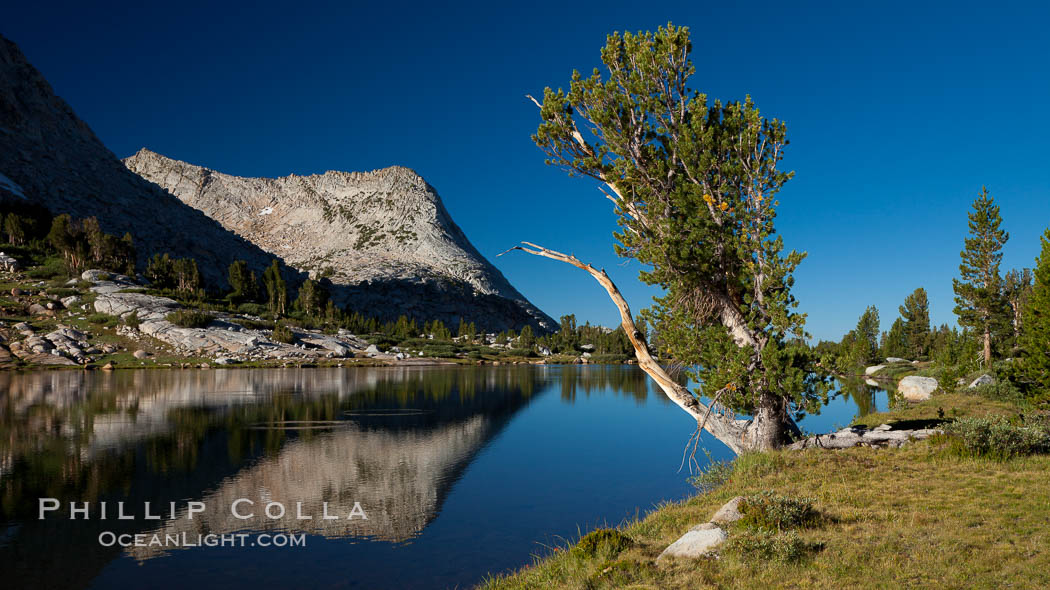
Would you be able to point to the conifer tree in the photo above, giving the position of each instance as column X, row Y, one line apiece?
column 276, row 290
column 867, row 342
column 1035, row 327
column 979, row 300
column 916, row 316
column 243, row 284
column 312, row 297
column 1017, row 286
column 895, row 342
column 14, row 227
column 527, row 339
column 695, row 184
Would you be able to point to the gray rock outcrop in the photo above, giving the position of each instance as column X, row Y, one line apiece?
column 8, row 263
column 699, row 541
column 982, row 380
column 223, row 338
column 729, row 512
column 917, row 389
column 858, row 436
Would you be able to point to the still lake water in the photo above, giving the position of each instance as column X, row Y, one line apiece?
column 461, row 470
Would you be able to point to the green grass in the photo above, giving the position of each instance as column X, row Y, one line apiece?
column 939, row 408
column 919, row 516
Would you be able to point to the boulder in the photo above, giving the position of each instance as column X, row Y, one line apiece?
column 8, row 263
column 894, row 359
column 44, row 358
column 140, row 354
column 16, row 292
column 224, row 361
column 852, row 436
column 95, row 275
column 37, row 309
column 873, row 370
column 729, row 512
column 148, row 307
column 982, row 380
column 372, row 350
column 333, row 345
column 697, row 542
column 917, row 389
column 107, row 366
column 69, row 301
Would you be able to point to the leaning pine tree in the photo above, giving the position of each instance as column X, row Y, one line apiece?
column 979, row 300
column 1035, row 329
column 693, row 183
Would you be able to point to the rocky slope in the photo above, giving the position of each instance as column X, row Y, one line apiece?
column 50, row 157
column 384, row 236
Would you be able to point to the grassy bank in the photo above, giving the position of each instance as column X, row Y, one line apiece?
column 924, row 515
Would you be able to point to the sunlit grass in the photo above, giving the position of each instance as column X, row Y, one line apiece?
column 918, row 516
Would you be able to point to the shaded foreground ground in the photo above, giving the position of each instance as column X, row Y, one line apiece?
column 918, row 516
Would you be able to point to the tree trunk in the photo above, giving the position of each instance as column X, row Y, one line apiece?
column 771, row 426
column 987, row 347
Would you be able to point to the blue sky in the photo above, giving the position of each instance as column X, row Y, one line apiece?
column 897, row 114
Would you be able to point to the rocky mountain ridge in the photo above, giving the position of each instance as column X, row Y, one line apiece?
column 362, row 230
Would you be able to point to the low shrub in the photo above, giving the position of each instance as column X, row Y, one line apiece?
column 381, row 341
column 996, row 438
column 282, row 333
column 769, row 510
column 713, row 476
column 61, row 291
column 132, row 320
column 999, row 391
column 768, row 545
column 189, row 318
column 439, row 351
column 103, row 319
column 601, row 542
column 53, row 268
column 256, row 309
column 418, row 343
column 256, row 324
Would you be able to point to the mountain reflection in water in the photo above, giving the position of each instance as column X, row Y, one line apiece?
column 396, row 440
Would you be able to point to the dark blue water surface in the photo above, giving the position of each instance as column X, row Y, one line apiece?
column 462, row 471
